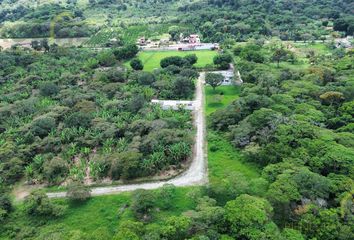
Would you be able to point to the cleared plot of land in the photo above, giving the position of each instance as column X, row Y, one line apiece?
column 221, row 97
column 223, row 158
column 151, row 59
column 105, row 212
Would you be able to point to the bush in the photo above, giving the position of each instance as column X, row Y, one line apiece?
column 143, row 201
column 106, row 59
column 125, row 165
column 38, row 204
column 136, row 64
column 116, row 76
column 77, row 191
column 173, row 60
column 78, row 119
column 189, row 73
column 173, row 69
column 12, row 170
column 166, row 195
column 55, row 170
column 42, row 126
column 237, row 50
column 5, row 206
column 146, row 78
column 191, row 58
column 126, row 52
column 48, row 89
column 136, row 103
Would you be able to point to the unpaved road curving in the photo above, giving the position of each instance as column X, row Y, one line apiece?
column 195, row 175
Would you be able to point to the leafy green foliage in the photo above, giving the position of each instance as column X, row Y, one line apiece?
column 136, row 64
column 38, row 204
column 214, row 79
column 78, row 191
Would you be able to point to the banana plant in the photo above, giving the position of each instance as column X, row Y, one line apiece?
column 122, row 144
column 72, row 151
column 85, row 151
column 38, row 161
column 107, row 145
column 29, row 172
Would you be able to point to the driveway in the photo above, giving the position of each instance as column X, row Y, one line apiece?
column 195, row 175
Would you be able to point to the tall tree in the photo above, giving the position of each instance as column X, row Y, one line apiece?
column 214, row 79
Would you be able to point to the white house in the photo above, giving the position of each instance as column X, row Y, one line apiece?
column 174, row 104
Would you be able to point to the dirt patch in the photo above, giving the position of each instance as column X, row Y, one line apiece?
column 22, row 191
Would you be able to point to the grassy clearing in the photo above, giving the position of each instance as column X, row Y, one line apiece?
column 318, row 48
column 223, row 158
column 226, row 159
column 151, row 59
column 220, row 98
column 103, row 211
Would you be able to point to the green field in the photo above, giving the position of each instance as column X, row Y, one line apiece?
column 151, row 59
column 221, row 97
column 98, row 212
column 226, row 159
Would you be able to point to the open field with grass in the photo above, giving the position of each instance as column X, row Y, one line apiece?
column 105, row 212
column 223, row 158
column 220, row 98
column 151, row 59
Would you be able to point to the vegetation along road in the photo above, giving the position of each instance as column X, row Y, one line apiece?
column 197, row 171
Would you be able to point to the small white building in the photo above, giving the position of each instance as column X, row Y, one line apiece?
column 344, row 42
column 174, row 104
column 228, row 76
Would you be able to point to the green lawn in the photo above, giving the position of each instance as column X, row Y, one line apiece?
column 220, row 98
column 151, row 59
column 223, row 158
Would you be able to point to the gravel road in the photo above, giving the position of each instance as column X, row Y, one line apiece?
column 196, row 174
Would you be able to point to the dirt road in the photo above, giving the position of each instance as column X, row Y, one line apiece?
column 196, row 174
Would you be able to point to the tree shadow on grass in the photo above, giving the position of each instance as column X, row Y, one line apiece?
column 215, row 105
column 77, row 203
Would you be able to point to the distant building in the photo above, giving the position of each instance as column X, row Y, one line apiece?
column 174, row 104
column 142, row 41
column 194, row 39
column 344, row 42
column 191, row 39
